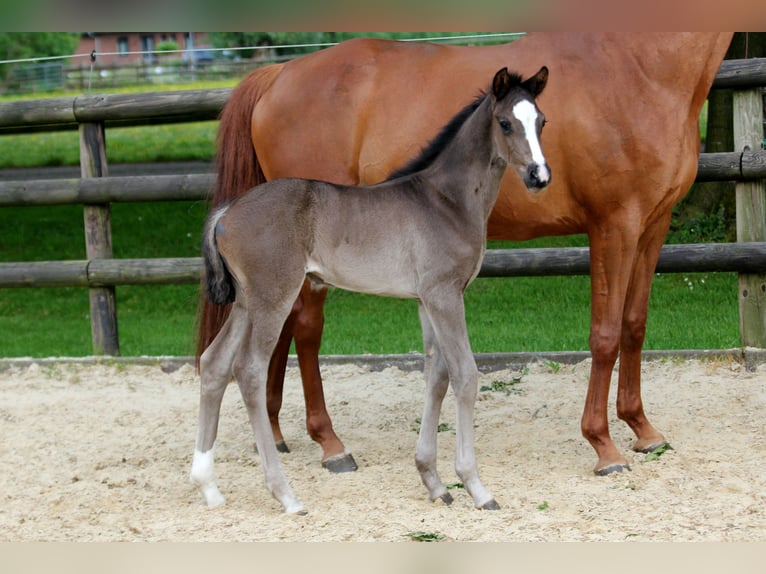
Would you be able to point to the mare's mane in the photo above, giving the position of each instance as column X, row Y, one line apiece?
column 432, row 150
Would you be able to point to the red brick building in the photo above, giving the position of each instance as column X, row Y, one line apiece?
column 119, row 47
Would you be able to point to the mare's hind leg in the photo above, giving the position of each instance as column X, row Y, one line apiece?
column 446, row 311
column 276, row 382
column 630, row 407
column 215, row 374
column 305, row 325
column 307, row 331
column 437, row 382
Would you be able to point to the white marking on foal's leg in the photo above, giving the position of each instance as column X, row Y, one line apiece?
column 203, row 475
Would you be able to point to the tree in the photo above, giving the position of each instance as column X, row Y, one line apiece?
column 275, row 39
column 19, row 45
column 710, row 206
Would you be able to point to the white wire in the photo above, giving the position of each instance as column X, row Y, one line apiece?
column 291, row 46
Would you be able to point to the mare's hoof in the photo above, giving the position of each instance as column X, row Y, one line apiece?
column 491, row 505
column 664, row 445
column 340, row 463
column 611, row 469
column 446, row 498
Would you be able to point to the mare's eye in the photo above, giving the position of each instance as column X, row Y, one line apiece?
column 505, row 125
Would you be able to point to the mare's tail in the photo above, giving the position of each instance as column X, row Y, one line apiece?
column 219, row 283
column 238, row 171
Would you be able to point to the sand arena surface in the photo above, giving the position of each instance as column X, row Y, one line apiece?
column 102, row 452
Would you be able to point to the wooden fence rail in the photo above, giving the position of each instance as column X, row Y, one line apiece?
column 535, row 262
column 141, row 188
column 91, row 114
column 741, row 166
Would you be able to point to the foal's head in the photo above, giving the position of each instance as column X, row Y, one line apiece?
column 517, row 125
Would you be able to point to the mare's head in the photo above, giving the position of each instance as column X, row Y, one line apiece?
column 517, row 125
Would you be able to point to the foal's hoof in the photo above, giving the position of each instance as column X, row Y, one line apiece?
column 281, row 447
column 611, row 469
column 490, row 505
column 446, row 498
column 340, row 463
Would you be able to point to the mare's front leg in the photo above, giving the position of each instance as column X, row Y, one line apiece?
column 630, row 407
column 215, row 374
column 613, row 247
column 446, row 311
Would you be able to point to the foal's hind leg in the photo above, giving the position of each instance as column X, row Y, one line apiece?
column 251, row 371
column 215, row 374
column 446, row 311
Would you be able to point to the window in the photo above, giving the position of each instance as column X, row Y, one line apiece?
column 147, row 45
column 122, row 45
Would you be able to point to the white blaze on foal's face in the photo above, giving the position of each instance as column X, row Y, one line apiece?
column 526, row 112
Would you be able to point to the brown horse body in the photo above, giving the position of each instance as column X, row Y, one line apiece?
column 622, row 141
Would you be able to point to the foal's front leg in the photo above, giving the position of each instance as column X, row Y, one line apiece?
column 447, row 314
column 437, row 382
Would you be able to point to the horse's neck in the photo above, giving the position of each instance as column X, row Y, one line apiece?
column 466, row 167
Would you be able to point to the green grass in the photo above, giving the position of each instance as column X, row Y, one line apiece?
column 504, row 314
column 526, row 314
column 510, row 314
column 172, row 142
column 194, row 141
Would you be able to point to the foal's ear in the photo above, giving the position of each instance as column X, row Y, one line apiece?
column 501, row 84
column 536, row 83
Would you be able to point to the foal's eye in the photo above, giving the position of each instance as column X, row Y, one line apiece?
column 505, row 125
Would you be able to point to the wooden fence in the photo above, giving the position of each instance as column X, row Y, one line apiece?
column 92, row 114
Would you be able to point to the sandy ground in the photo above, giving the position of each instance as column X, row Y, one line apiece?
column 102, row 452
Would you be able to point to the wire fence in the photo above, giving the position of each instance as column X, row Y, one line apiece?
column 85, row 72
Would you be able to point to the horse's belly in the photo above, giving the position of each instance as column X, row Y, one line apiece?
column 364, row 277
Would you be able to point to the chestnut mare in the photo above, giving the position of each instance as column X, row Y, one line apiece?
column 420, row 235
column 623, row 143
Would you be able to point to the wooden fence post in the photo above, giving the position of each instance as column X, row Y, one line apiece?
column 98, row 242
column 751, row 216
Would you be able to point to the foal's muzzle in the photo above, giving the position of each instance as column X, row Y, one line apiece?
column 537, row 177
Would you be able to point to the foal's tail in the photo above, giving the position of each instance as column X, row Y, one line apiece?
column 238, row 171
column 219, row 283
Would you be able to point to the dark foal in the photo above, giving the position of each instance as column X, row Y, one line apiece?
column 420, row 234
